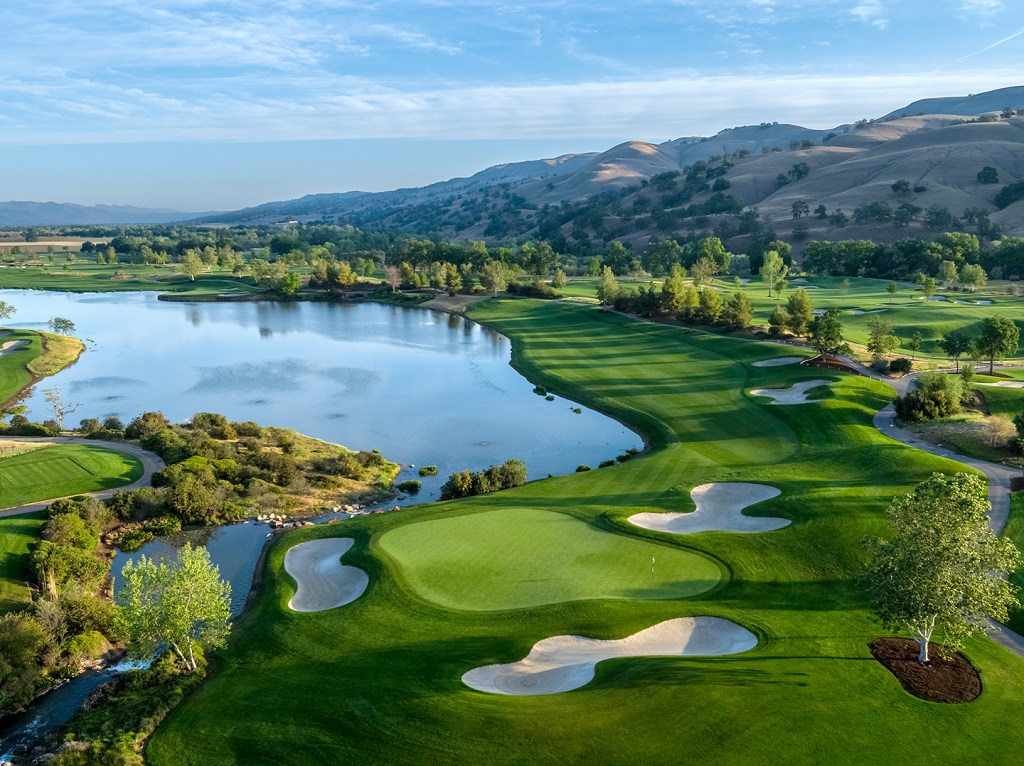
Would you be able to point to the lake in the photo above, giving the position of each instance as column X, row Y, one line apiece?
column 423, row 387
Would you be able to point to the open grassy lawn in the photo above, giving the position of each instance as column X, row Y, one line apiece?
column 14, row 373
column 62, row 470
column 519, row 557
column 17, row 533
column 90, row 277
column 378, row 681
column 906, row 309
column 1015, row 531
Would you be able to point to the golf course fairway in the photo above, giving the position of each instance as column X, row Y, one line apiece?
column 379, row 681
column 521, row 557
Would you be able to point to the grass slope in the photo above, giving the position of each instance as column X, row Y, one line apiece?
column 14, row 372
column 62, row 470
column 17, row 534
column 378, row 681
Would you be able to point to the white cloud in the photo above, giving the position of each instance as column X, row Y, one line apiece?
column 672, row 104
column 981, row 8
column 872, row 12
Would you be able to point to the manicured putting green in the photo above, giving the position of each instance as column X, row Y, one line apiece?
column 63, row 470
column 521, row 557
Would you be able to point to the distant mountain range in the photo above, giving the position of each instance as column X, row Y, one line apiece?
column 637, row 190
column 937, row 145
column 69, row 214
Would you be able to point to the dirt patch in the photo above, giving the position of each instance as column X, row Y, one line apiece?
column 453, row 304
column 949, row 677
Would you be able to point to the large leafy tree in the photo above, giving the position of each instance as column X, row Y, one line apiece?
column 800, row 312
column 773, row 270
column 999, row 337
column 608, row 287
column 826, row 335
column 6, row 310
column 943, row 568
column 179, row 605
column 881, row 341
column 955, row 344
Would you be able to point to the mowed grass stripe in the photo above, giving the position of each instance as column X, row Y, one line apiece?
column 62, row 470
column 17, row 534
column 378, row 681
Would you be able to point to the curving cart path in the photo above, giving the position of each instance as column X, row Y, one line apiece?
column 999, row 478
column 151, row 463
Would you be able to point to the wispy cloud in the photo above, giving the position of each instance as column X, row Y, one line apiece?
column 983, row 9
column 669, row 105
column 871, row 12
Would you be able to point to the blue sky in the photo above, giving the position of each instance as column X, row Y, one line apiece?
column 214, row 105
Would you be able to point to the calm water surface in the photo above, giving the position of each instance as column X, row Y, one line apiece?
column 423, row 387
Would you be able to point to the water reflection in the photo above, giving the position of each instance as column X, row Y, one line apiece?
column 423, row 387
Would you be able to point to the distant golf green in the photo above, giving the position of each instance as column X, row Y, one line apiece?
column 520, row 557
column 62, row 470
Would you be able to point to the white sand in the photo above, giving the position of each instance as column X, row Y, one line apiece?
column 779, row 361
column 858, row 312
column 1005, row 384
column 562, row 663
column 323, row 581
column 795, row 394
column 11, row 346
column 984, row 303
column 719, row 509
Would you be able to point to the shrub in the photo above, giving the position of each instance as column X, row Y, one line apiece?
column 606, row 463
column 410, row 486
column 582, row 467
column 901, row 364
column 428, row 470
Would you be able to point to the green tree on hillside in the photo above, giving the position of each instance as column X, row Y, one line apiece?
column 191, row 265
column 943, row 568
column 891, row 288
column 914, row 344
column 973, row 276
column 183, row 605
column 6, row 310
column 608, row 287
column 826, row 335
column 773, row 270
column 988, row 175
column 673, row 291
column 494, row 277
column 955, row 344
column 739, row 311
column 999, row 337
column 800, row 312
column 881, row 341
column 703, row 271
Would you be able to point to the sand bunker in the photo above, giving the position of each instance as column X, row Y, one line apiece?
column 779, row 361
column 11, row 346
column 562, row 663
column 719, row 509
column 323, row 581
column 1005, row 384
column 858, row 312
column 795, row 394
